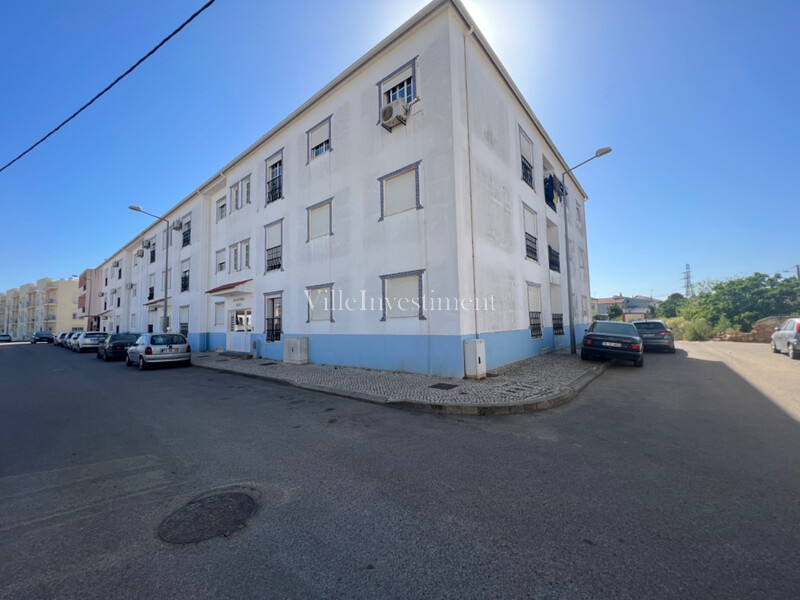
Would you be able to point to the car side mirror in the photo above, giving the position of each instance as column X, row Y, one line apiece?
column 777, row 329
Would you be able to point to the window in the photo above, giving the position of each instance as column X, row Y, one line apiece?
column 153, row 250
column 273, row 311
column 402, row 295
column 526, row 151
column 184, row 320
column 535, row 310
column 133, row 291
column 319, row 301
column 320, row 219
column 240, row 193
column 234, row 196
column 274, row 246
column 531, row 241
column 400, row 84
column 185, row 276
column 222, row 208
column 186, row 233
column 219, row 313
column 220, row 261
column 275, row 177
column 119, row 274
column 169, row 279
column 151, row 282
column 240, row 255
column 400, row 190
column 119, row 301
column 318, row 139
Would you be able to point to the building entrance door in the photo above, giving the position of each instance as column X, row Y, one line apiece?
column 239, row 329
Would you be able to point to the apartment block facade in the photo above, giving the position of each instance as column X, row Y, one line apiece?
column 411, row 205
column 47, row 305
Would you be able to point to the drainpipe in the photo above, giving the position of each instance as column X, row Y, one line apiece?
column 469, row 172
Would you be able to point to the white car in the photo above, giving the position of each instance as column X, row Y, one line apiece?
column 154, row 348
column 89, row 340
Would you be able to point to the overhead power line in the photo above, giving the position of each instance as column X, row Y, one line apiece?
column 113, row 83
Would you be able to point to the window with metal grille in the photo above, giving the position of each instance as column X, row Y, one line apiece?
column 274, row 246
column 555, row 259
column 526, row 153
column 535, row 310
column 535, row 324
column 319, row 139
column 187, row 233
column 558, row 324
column 274, row 181
column 531, row 242
column 152, row 253
column 185, row 281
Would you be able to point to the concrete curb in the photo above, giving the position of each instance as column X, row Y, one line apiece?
column 552, row 400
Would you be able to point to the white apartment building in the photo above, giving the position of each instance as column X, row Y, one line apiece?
column 47, row 305
column 410, row 206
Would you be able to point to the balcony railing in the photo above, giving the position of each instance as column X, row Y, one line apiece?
column 274, row 188
column 536, row 323
column 273, row 330
column 185, row 283
column 274, row 258
column 527, row 172
column 558, row 324
column 555, row 259
column 531, row 247
column 151, row 293
column 187, row 236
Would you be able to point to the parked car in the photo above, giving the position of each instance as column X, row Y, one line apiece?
column 70, row 339
column 655, row 335
column 42, row 336
column 116, row 345
column 5, row 338
column 613, row 339
column 154, row 348
column 57, row 340
column 89, row 340
column 787, row 338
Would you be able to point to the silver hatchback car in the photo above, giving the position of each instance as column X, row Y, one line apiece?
column 155, row 348
column 787, row 338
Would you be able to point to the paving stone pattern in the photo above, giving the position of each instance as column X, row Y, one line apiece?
column 521, row 382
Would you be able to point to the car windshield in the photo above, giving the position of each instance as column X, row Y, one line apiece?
column 165, row 339
column 650, row 326
column 614, row 327
column 96, row 335
column 123, row 338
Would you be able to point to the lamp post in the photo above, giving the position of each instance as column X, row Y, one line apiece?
column 89, row 307
column 597, row 154
column 166, row 258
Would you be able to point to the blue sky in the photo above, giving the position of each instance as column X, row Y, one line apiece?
column 700, row 101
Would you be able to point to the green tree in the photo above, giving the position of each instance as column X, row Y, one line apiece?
column 668, row 309
column 614, row 312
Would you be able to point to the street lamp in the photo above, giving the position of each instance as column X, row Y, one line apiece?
column 597, row 154
column 166, row 258
column 89, row 307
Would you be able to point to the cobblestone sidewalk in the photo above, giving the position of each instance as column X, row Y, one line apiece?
column 532, row 384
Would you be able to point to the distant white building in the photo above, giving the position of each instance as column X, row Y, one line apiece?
column 410, row 206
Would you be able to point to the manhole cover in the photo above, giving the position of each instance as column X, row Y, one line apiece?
column 443, row 386
column 206, row 518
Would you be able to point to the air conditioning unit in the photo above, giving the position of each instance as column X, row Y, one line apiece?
column 177, row 225
column 101, row 294
column 129, row 286
column 394, row 114
column 114, row 291
column 152, row 308
column 145, row 243
column 140, row 253
column 115, row 264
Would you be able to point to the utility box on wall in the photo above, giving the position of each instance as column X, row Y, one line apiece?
column 295, row 350
column 475, row 359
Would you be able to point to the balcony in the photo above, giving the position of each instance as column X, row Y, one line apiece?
column 558, row 324
column 536, row 323
column 273, row 330
column 527, row 172
column 274, row 258
column 555, row 259
column 275, row 188
column 531, row 247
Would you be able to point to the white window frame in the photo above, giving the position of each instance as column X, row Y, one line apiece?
column 384, row 93
column 275, row 159
column 327, row 145
column 217, row 261
column 317, row 206
column 217, row 320
column 308, row 299
column 267, row 247
column 222, row 203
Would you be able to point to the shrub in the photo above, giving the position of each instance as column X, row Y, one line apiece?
column 698, row 330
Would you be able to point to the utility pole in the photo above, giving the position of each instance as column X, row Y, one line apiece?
column 687, row 277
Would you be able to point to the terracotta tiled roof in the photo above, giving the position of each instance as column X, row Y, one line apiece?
column 227, row 286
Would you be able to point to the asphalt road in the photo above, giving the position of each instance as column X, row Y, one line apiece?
column 678, row 480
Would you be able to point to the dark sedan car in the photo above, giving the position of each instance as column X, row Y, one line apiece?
column 655, row 335
column 613, row 339
column 42, row 336
column 116, row 346
column 4, row 338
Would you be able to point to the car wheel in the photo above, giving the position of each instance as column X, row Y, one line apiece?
column 105, row 356
column 142, row 364
column 584, row 356
column 128, row 362
column 672, row 349
column 98, row 355
column 188, row 363
column 775, row 348
column 639, row 362
column 793, row 354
